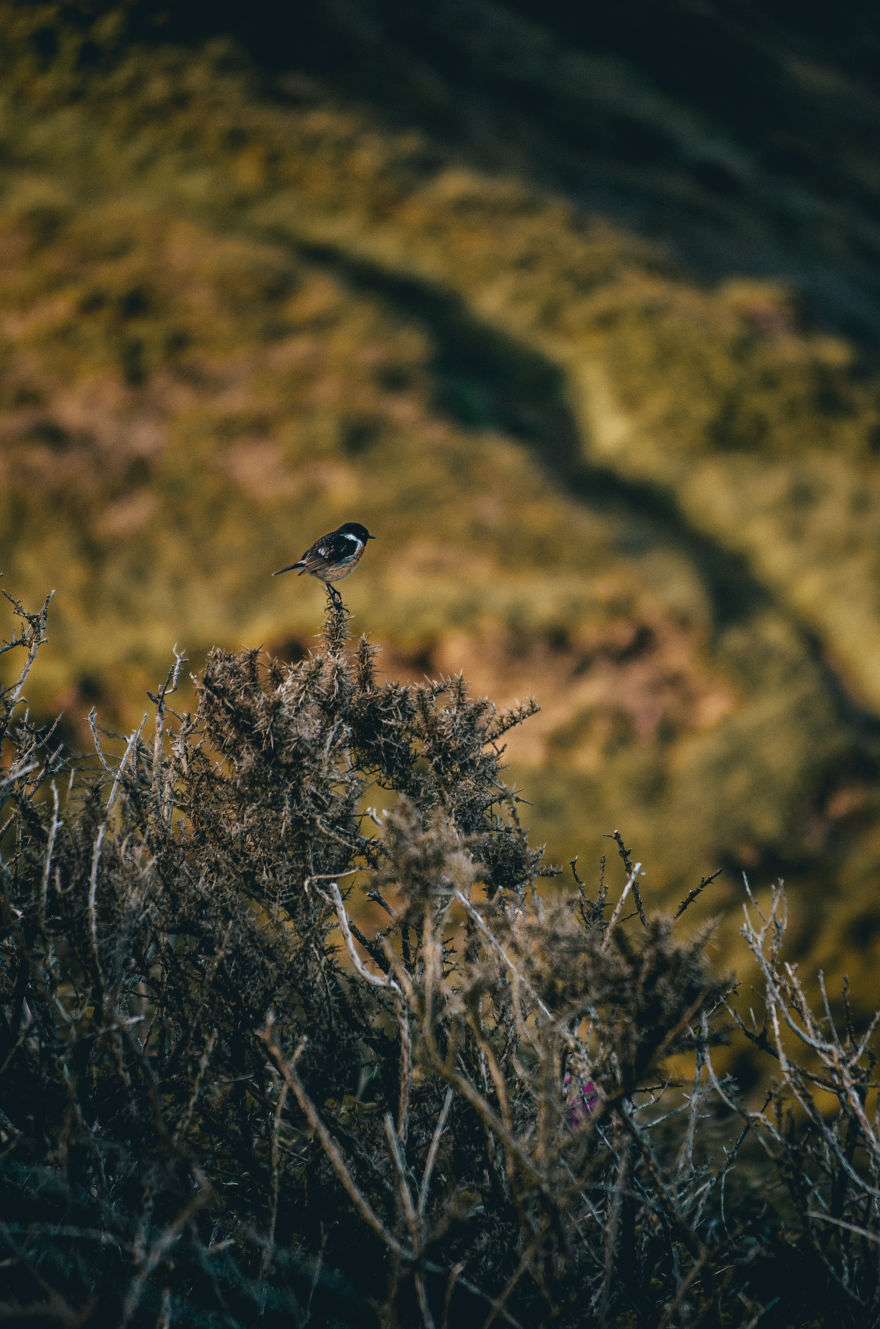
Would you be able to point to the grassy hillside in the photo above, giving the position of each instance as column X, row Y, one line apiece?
column 595, row 366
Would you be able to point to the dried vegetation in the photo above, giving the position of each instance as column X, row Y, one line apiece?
column 269, row 1054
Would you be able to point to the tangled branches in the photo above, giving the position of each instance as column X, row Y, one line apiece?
column 292, row 1030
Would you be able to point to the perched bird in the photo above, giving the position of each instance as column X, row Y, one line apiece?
column 333, row 557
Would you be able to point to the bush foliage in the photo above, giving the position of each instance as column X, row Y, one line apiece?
column 271, row 1053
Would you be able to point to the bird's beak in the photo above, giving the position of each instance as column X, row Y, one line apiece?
column 280, row 570
column 371, row 537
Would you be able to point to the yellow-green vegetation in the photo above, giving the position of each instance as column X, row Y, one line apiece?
column 236, row 311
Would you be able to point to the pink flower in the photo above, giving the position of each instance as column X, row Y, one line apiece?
column 580, row 1102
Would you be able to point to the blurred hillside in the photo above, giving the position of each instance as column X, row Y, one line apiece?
column 579, row 316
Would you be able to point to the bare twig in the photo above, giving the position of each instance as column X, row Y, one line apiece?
column 287, row 1067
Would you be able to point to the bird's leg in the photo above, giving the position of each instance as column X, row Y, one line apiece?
column 335, row 597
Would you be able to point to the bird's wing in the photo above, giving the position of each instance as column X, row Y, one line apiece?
column 333, row 548
column 316, row 557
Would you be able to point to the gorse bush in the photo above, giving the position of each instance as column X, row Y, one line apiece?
column 272, row 1054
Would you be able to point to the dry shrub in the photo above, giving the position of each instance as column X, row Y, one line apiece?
column 269, row 1053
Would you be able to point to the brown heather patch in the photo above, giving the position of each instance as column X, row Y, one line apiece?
column 646, row 669
column 127, row 516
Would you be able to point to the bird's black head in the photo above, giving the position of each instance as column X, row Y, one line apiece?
column 359, row 532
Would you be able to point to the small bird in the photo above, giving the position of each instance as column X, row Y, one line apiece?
column 333, row 557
